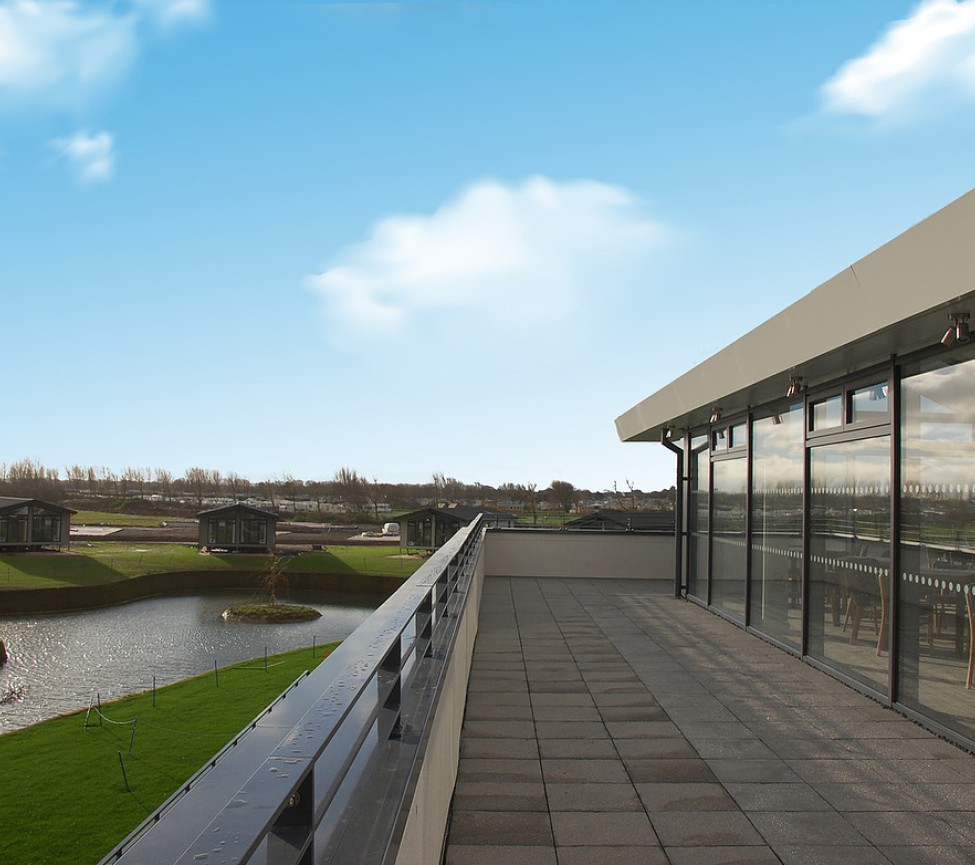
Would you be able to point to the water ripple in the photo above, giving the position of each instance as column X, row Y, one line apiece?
column 59, row 662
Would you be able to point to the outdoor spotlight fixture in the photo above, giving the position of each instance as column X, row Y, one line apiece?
column 715, row 414
column 795, row 386
column 958, row 329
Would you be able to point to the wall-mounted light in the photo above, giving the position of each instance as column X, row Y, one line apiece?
column 958, row 329
column 715, row 414
column 795, row 386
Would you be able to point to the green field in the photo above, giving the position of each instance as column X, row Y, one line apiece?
column 104, row 518
column 106, row 561
column 64, row 796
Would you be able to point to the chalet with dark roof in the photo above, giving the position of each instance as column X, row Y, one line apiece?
column 237, row 529
column 624, row 521
column 31, row 524
column 431, row 528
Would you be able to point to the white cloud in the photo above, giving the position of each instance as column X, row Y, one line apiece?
column 514, row 253
column 920, row 61
column 62, row 54
column 91, row 156
column 59, row 53
column 172, row 13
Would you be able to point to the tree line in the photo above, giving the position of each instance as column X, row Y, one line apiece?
column 348, row 488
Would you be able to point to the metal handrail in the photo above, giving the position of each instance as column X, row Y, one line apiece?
column 326, row 774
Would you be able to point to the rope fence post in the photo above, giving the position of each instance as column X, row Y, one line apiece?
column 125, row 777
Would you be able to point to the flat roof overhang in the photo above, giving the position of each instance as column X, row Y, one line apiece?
column 893, row 301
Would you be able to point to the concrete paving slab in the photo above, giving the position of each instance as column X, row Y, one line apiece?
column 479, row 769
column 583, row 796
column 605, row 829
column 705, row 829
column 756, row 855
column 685, row 796
column 593, row 771
column 813, row 854
column 622, row 855
column 501, row 828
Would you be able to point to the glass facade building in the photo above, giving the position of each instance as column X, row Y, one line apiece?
column 829, row 525
column 828, row 475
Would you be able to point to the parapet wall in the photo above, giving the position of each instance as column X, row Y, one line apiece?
column 584, row 554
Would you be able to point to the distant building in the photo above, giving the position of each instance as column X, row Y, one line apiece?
column 30, row 524
column 237, row 529
column 625, row 521
column 431, row 528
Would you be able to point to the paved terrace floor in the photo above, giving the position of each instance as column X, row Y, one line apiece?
column 610, row 723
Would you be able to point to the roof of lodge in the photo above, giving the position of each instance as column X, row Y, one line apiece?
column 8, row 503
column 894, row 300
column 461, row 513
column 238, row 507
column 636, row 521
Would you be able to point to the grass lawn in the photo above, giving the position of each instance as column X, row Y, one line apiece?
column 104, row 518
column 64, row 798
column 108, row 561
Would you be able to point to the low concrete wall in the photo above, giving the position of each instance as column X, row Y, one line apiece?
column 591, row 555
column 70, row 598
column 426, row 827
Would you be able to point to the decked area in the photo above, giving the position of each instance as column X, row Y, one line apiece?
column 608, row 722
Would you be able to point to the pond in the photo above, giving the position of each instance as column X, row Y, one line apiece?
column 58, row 663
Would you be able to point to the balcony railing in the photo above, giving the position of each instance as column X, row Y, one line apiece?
column 334, row 770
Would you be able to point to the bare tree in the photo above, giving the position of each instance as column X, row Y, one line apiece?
column 316, row 489
column 216, row 482
column 108, row 481
column 529, row 493
column 377, row 494
column 269, row 489
column 76, row 475
column 351, row 487
column 238, row 485
column 30, row 478
column 439, row 481
column 197, row 480
column 165, row 480
column 290, row 487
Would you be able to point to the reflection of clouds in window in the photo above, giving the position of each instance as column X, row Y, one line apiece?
column 946, row 432
column 945, row 390
column 939, row 432
column 777, row 447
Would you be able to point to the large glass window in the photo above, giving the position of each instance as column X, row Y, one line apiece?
column 222, row 531
column 13, row 527
column 776, row 568
column 728, row 540
column 419, row 533
column 937, row 542
column 253, row 531
column 699, row 464
column 849, row 557
column 46, row 526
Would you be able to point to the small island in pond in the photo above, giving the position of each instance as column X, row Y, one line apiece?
column 270, row 612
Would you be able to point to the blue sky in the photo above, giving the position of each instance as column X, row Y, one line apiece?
column 279, row 238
